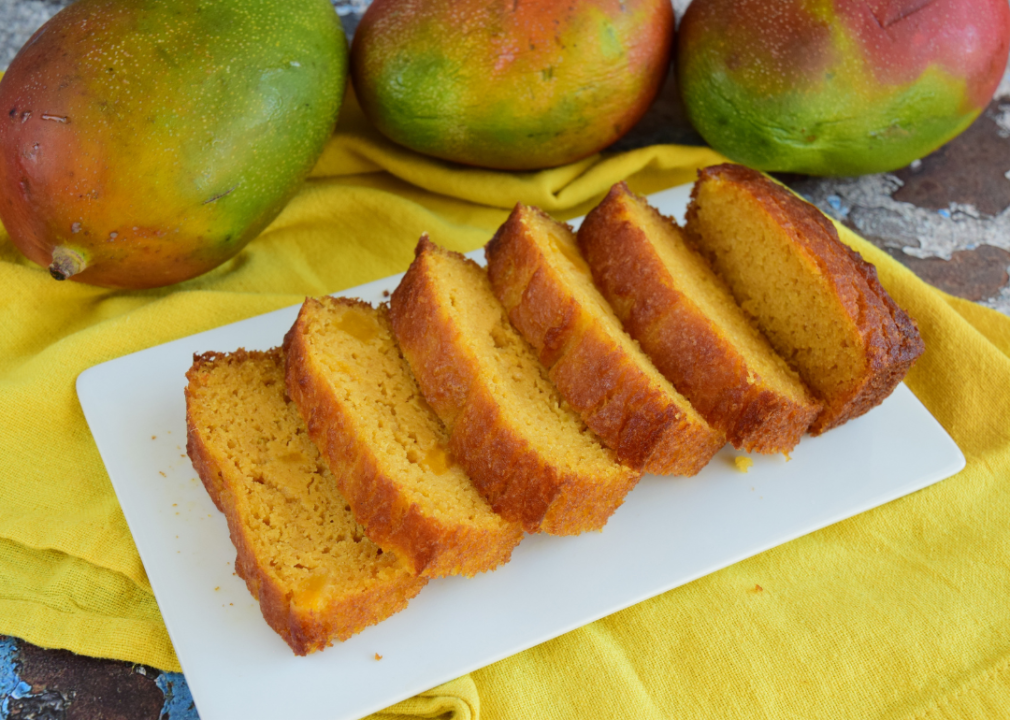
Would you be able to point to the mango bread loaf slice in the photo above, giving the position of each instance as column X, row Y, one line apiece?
column 387, row 449
column 540, row 277
column 818, row 302
column 302, row 555
column 686, row 321
column 531, row 456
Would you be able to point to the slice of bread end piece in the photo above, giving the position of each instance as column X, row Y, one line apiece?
column 299, row 550
column 540, row 277
column 386, row 447
column 531, row 456
column 686, row 321
column 817, row 301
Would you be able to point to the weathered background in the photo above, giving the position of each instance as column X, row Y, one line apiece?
column 947, row 217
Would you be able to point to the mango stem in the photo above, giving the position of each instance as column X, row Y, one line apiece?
column 66, row 263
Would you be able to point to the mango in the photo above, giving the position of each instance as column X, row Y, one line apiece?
column 144, row 142
column 510, row 84
column 838, row 87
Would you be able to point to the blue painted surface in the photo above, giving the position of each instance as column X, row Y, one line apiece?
column 10, row 682
column 178, row 699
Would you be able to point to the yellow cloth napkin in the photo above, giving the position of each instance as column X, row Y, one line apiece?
column 897, row 613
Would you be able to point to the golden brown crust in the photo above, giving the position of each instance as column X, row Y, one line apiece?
column 430, row 342
column 647, row 427
column 890, row 337
column 686, row 345
column 433, row 547
column 303, row 629
column 520, row 483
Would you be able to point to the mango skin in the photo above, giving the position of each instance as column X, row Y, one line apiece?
column 151, row 140
column 510, row 84
column 838, row 87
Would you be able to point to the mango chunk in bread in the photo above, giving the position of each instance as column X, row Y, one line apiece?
column 302, row 555
column 529, row 453
column 386, row 448
column 686, row 321
column 817, row 301
column 540, row 277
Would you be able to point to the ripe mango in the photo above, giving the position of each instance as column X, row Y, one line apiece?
column 510, row 84
column 838, row 87
column 144, row 142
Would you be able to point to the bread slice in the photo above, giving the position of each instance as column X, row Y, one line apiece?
column 531, row 456
column 387, row 449
column 302, row 555
column 540, row 277
column 686, row 321
column 818, row 302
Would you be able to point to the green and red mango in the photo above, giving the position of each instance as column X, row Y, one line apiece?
column 510, row 84
column 837, row 87
column 143, row 143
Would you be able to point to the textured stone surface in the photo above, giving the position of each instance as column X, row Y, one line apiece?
column 18, row 20
column 978, row 274
column 76, row 688
column 37, row 684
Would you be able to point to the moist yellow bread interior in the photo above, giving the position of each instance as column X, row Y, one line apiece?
column 364, row 361
column 418, row 496
column 692, row 275
column 783, row 288
column 559, row 247
column 508, row 364
column 316, row 574
column 818, row 302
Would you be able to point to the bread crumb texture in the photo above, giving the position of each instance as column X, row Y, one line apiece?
column 817, row 301
column 546, row 286
column 685, row 319
column 530, row 454
column 316, row 575
column 386, row 447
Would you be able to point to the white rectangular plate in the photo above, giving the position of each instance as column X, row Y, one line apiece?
column 668, row 532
